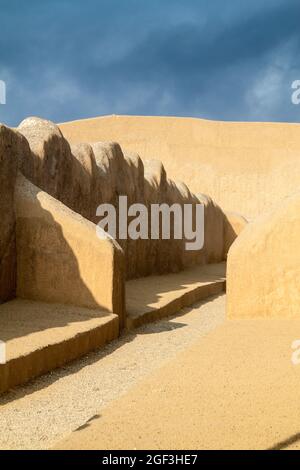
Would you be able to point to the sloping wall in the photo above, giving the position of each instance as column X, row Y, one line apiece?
column 82, row 176
column 59, row 257
column 263, row 266
column 244, row 167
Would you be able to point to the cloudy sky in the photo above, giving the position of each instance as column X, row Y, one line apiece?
column 214, row 59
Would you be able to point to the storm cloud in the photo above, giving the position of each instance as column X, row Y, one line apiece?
column 72, row 59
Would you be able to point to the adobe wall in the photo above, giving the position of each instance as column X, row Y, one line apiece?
column 244, row 167
column 263, row 266
column 50, row 191
column 82, row 176
column 12, row 147
column 60, row 259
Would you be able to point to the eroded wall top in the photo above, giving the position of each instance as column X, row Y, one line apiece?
column 245, row 167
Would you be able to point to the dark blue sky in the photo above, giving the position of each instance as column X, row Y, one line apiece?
column 215, row 59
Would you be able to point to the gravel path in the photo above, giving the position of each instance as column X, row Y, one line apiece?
column 42, row 413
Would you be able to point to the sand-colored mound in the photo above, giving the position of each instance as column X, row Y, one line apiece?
column 245, row 167
column 263, row 265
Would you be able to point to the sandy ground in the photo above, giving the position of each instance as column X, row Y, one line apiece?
column 236, row 388
column 41, row 414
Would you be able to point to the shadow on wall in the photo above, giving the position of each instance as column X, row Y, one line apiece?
column 9, row 146
column 84, row 176
column 60, row 258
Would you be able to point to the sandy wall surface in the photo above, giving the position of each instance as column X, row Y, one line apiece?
column 12, row 146
column 244, row 167
column 263, row 265
column 59, row 256
column 85, row 175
